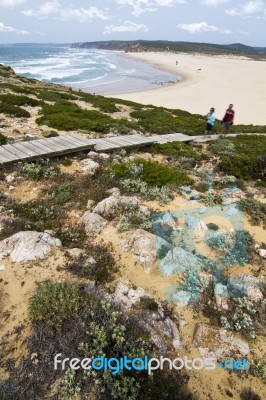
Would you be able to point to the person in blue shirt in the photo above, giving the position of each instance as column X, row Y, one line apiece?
column 210, row 120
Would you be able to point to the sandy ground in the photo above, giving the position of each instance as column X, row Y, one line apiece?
column 208, row 81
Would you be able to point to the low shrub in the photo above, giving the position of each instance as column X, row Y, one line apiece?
column 132, row 218
column 103, row 103
column 55, row 302
column 50, row 95
column 255, row 210
column 15, row 100
column 71, row 237
column 49, row 134
column 68, row 116
column 177, row 150
column 13, row 111
column 3, row 139
column 41, row 169
column 223, row 146
column 248, row 160
column 100, row 267
column 34, row 211
column 161, row 121
column 241, row 318
column 152, row 173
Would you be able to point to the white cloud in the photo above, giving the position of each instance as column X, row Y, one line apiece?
column 54, row 8
column 213, row 3
column 248, row 9
column 198, row 27
column 10, row 29
column 12, row 3
column 141, row 6
column 43, row 10
column 127, row 26
column 83, row 14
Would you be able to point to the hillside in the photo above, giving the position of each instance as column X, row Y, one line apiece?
column 165, row 45
column 144, row 252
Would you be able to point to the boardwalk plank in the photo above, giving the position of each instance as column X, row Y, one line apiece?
column 17, row 152
column 6, row 156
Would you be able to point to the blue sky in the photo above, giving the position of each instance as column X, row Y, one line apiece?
column 67, row 21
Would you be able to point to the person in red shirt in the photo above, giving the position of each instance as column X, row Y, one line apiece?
column 228, row 119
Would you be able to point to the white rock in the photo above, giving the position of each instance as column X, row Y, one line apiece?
column 10, row 178
column 114, row 191
column 2, row 267
column 104, row 156
column 254, row 294
column 27, row 246
column 181, row 297
column 144, row 246
column 89, row 166
column 92, row 222
column 221, row 296
column 90, row 204
column 75, row 252
column 215, row 342
column 107, row 207
column 262, row 253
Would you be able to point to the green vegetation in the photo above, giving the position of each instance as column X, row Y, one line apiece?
column 152, row 173
column 68, row 116
column 241, row 318
column 242, row 156
column 255, row 210
column 55, row 96
column 3, row 139
column 178, row 149
column 17, row 89
column 49, row 134
column 103, row 103
column 13, row 111
column 161, row 121
column 132, row 218
column 35, row 212
column 55, row 302
column 15, row 100
column 99, row 267
column 41, row 169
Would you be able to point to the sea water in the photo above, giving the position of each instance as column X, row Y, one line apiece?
column 99, row 71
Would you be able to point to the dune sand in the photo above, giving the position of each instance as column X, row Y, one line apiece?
column 208, row 81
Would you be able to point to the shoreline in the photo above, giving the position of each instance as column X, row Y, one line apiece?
column 206, row 81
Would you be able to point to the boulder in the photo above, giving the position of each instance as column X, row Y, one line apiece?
column 107, row 207
column 238, row 286
column 182, row 297
column 221, row 296
column 125, row 296
column 144, row 247
column 90, row 204
column 254, row 294
column 75, row 252
column 215, row 342
column 89, row 166
column 92, row 222
column 28, row 246
column 177, row 260
column 162, row 330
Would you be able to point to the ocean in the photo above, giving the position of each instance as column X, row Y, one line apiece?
column 98, row 71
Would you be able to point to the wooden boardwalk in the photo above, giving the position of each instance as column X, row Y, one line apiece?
column 72, row 143
column 65, row 144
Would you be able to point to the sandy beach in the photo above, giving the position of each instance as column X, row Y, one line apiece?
column 207, row 81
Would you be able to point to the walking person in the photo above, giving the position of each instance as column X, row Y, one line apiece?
column 210, row 120
column 228, row 119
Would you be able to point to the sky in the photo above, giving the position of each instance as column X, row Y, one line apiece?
column 70, row 21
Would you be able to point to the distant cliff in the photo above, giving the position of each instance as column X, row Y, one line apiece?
column 164, row 45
